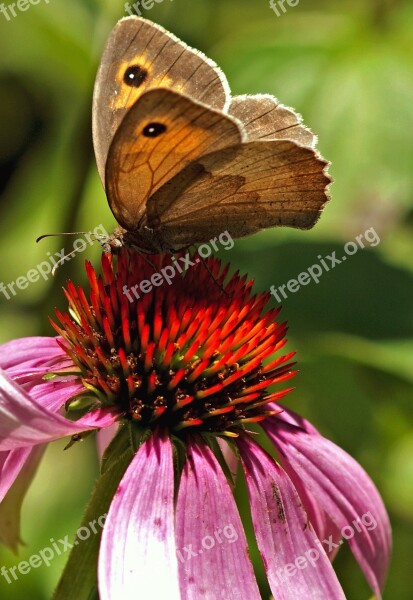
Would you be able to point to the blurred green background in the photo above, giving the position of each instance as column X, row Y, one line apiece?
column 347, row 66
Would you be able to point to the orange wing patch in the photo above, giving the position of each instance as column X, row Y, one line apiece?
column 133, row 78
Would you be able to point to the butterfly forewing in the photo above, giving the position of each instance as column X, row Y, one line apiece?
column 161, row 134
column 141, row 55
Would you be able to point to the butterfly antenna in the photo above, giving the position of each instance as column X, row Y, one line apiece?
column 68, row 233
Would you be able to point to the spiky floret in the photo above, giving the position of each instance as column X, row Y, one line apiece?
column 188, row 356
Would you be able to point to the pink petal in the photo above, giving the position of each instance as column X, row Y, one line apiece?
column 342, row 489
column 26, row 360
column 212, row 548
column 138, row 556
column 30, row 352
column 54, row 393
column 11, row 463
column 25, row 373
column 230, row 457
column 24, row 422
column 17, row 472
column 100, row 418
column 320, row 520
column 296, row 564
column 104, row 438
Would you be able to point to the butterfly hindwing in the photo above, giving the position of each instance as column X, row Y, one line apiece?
column 242, row 189
column 264, row 118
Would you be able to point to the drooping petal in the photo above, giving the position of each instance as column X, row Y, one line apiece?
column 212, row 548
column 24, row 422
column 296, row 564
column 230, row 457
column 322, row 523
column 138, row 556
column 98, row 419
column 27, row 360
column 29, row 353
column 104, row 438
column 11, row 463
column 341, row 487
column 55, row 393
column 17, row 471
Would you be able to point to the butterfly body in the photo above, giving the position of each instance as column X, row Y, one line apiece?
column 181, row 160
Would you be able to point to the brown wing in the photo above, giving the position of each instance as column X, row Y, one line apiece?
column 242, row 189
column 141, row 55
column 264, row 118
column 161, row 134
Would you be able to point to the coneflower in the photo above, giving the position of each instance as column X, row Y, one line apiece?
column 184, row 366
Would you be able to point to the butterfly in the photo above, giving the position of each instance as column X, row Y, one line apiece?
column 181, row 160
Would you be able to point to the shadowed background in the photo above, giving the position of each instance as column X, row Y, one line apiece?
column 348, row 68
